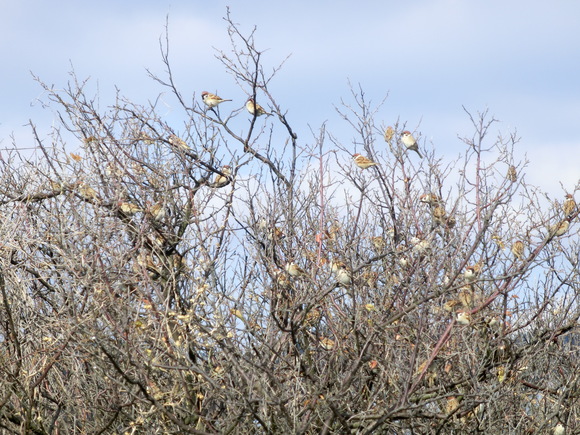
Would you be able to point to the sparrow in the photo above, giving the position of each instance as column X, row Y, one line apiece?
column 275, row 234
column 281, row 279
column 404, row 260
column 255, row 108
column 512, row 175
column 211, row 100
column 451, row 221
column 559, row 229
column 420, row 246
column 410, row 142
column 450, row 305
column 326, row 343
column 293, row 270
column 430, row 199
column 157, row 211
column 452, row 404
column 178, row 142
column 389, row 133
column 342, row 274
column 463, row 318
column 465, row 296
column 87, row 192
column 313, row 317
column 128, row 208
column 569, row 205
column 518, row 249
column 439, row 215
column 362, row 162
column 471, row 273
column 223, row 180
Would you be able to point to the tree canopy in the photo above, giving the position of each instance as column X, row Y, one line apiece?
column 224, row 275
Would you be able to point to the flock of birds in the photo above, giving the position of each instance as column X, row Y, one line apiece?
column 213, row 100
column 340, row 270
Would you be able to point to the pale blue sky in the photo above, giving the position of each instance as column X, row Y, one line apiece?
column 520, row 59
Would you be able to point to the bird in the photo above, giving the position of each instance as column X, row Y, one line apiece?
column 404, row 260
column 87, row 192
column 471, row 273
column 559, row 429
column 275, row 233
column 389, row 133
column 157, row 211
column 569, row 205
column 466, row 296
column 211, row 100
column 363, row 162
column 223, row 180
column 559, row 229
column 293, row 270
column 342, row 274
column 518, row 249
column 439, row 214
column 410, row 142
column 178, row 142
column 326, row 343
column 255, row 109
column 463, row 318
column 430, row 199
column 420, row 246
column 128, row 208
column 312, row 317
column 512, row 175
column 450, row 305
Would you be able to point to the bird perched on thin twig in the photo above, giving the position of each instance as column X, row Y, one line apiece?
column 157, row 211
column 176, row 141
column 223, row 180
column 363, row 162
column 389, row 133
column 569, row 205
column 410, row 142
column 430, row 199
column 293, row 270
column 255, row 108
column 518, row 249
column 559, row 229
column 211, row 100
column 472, row 272
column 463, row 318
column 343, row 275
column 512, row 174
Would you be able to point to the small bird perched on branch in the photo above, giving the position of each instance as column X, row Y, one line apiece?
column 176, row 141
column 410, row 142
column 363, row 162
column 559, row 229
column 211, row 100
column 293, row 270
column 430, row 199
column 343, row 275
column 389, row 133
column 569, row 205
column 223, row 180
column 255, row 108
column 518, row 249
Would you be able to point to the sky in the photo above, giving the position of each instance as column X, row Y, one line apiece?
column 519, row 59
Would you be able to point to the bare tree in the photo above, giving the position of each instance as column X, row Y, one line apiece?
column 223, row 276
